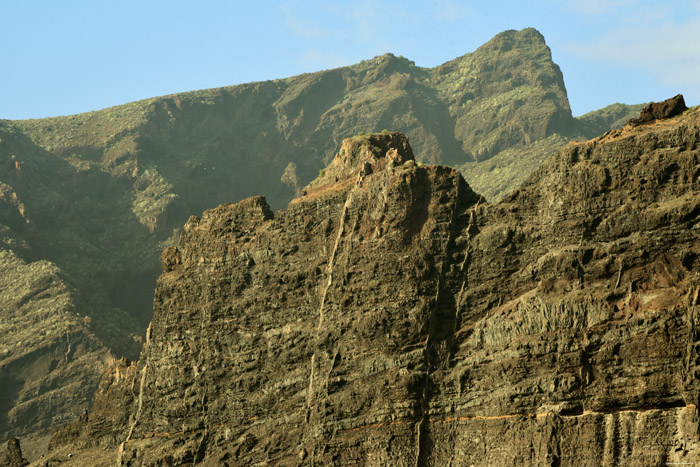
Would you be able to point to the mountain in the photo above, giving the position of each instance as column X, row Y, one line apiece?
column 392, row 316
column 88, row 202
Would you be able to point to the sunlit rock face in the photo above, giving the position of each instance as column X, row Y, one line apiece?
column 93, row 199
column 391, row 316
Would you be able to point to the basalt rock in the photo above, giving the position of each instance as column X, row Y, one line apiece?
column 14, row 458
column 661, row 110
column 390, row 316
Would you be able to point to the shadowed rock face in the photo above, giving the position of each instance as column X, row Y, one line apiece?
column 50, row 363
column 390, row 316
column 14, row 454
column 89, row 201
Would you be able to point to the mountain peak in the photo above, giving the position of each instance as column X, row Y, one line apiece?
column 105, row 190
column 522, row 36
column 363, row 155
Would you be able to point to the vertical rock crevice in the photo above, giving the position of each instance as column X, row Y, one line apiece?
column 142, row 387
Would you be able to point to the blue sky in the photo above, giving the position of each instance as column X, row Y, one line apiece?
column 70, row 56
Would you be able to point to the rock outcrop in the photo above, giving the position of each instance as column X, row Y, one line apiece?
column 14, row 454
column 660, row 110
column 391, row 316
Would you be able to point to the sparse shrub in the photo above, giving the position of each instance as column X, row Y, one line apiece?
column 362, row 133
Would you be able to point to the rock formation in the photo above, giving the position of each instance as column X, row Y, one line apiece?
column 14, row 455
column 96, row 197
column 660, row 110
column 391, row 316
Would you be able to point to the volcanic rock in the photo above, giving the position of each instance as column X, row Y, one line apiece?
column 660, row 110
column 97, row 196
column 391, row 316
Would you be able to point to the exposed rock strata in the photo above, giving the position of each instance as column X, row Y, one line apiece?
column 50, row 363
column 391, row 317
column 98, row 195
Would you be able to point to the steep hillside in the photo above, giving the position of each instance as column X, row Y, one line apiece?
column 392, row 316
column 50, row 360
column 613, row 116
column 497, row 176
column 118, row 183
column 97, row 196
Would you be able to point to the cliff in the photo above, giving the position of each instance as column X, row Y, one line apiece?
column 391, row 316
column 97, row 196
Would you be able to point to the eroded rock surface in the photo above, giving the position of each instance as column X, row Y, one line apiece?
column 14, row 454
column 390, row 316
column 50, row 363
column 660, row 110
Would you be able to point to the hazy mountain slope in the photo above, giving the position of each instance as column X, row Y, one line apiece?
column 50, row 359
column 50, row 362
column 508, row 93
column 597, row 122
column 80, row 218
column 499, row 175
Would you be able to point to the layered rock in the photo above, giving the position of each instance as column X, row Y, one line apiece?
column 100, row 194
column 50, row 362
column 390, row 316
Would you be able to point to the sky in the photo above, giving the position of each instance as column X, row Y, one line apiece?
column 71, row 56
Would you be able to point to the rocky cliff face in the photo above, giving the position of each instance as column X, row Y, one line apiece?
column 97, row 196
column 391, row 316
column 508, row 93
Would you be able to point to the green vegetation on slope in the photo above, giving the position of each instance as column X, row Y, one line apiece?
column 81, row 219
column 499, row 175
column 597, row 122
column 50, row 364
